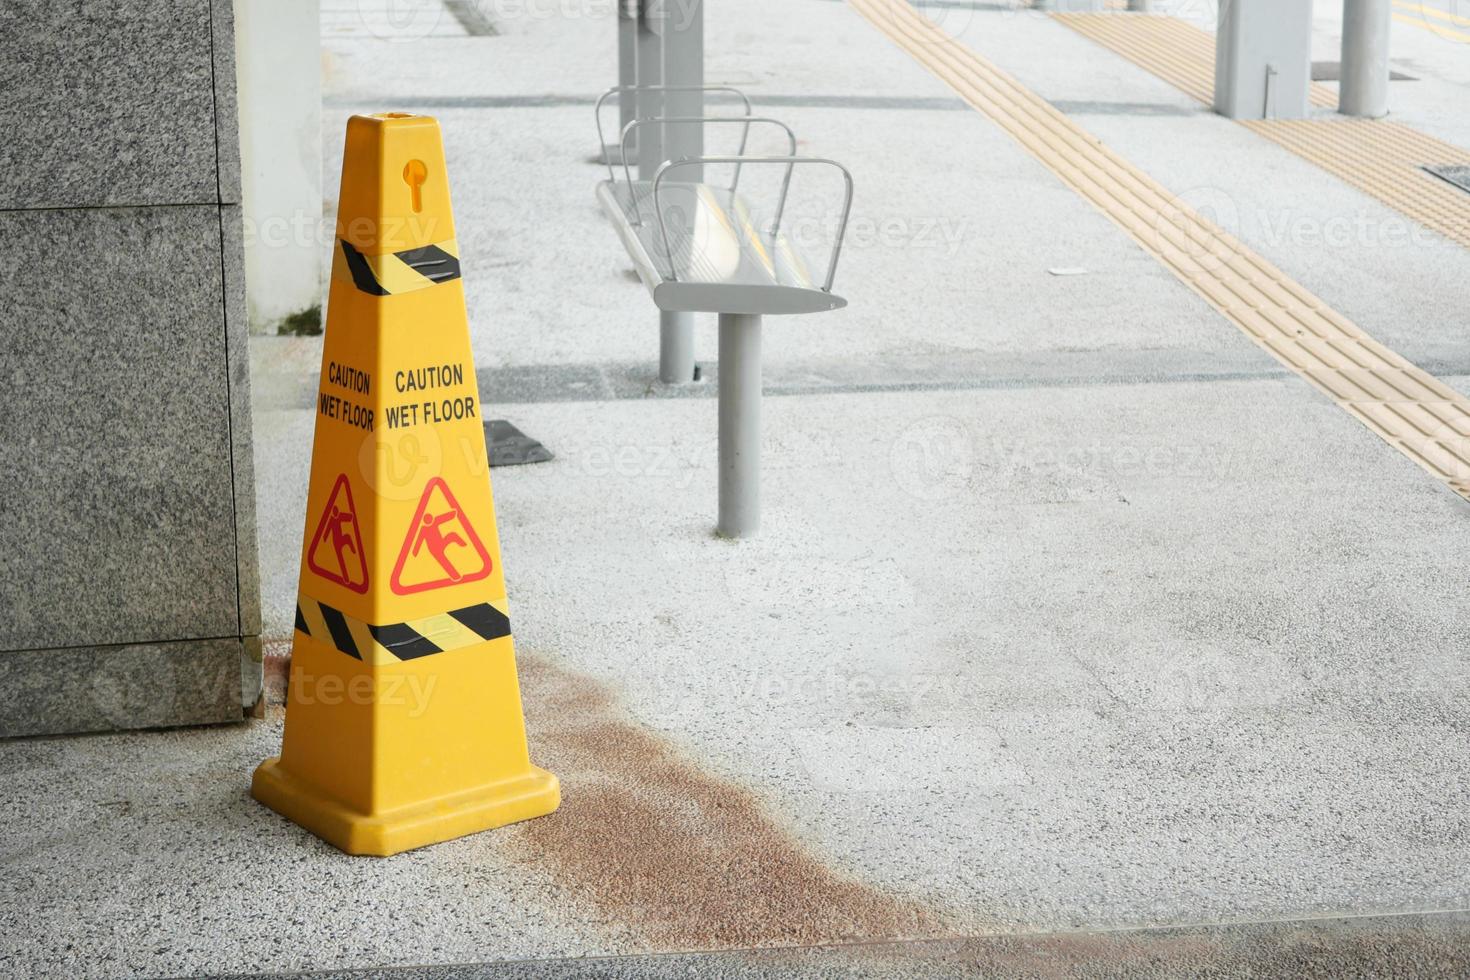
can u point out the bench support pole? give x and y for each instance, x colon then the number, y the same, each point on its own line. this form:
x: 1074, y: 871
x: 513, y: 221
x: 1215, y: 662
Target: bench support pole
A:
x: 740, y: 425
x: 675, y: 347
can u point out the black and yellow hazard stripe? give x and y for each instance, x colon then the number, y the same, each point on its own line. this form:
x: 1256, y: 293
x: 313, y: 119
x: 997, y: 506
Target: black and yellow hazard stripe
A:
x: 397, y: 272
x: 392, y: 642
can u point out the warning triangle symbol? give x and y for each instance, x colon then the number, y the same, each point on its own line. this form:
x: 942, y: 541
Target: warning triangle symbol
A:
x: 336, y: 549
x: 441, y: 548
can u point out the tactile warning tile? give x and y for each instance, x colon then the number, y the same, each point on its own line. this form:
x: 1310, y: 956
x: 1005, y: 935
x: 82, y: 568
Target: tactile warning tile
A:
x: 1178, y: 52
x: 1411, y: 410
x: 1382, y: 159
x: 1446, y: 23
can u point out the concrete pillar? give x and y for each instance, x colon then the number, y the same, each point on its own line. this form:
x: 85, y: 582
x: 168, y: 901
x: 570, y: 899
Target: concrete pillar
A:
x: 740, y: 425
x: 1263, y: 59
x: 279, y: 52
x: 1365, y: 72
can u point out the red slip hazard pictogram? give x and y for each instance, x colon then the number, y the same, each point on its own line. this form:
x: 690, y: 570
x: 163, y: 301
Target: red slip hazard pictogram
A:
x: 336, y: 548
x: 441, y: 548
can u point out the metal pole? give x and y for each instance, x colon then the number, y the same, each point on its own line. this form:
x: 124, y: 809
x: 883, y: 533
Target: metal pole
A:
x: 627, y: 70
x: 1365, y: 29
x: 679, y: 29
x: 740, y: 425
x: 650, y: 72
x: 675, y: 347
x: 1141, y: 6
x: 683, y: 37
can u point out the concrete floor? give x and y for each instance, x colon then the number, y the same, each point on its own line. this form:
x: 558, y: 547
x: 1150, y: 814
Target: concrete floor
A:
x: 1324, y: 948
x: 1073, y: 610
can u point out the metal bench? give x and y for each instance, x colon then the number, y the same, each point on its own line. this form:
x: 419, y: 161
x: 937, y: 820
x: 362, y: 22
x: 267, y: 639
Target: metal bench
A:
x: 702, y: 248
x: 676, y: 329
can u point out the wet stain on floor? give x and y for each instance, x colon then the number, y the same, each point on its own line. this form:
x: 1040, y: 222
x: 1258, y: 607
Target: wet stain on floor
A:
x: 682, y: 858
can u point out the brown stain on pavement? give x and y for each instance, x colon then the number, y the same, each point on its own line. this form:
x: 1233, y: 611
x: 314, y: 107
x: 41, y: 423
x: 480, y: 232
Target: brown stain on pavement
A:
x: 683, y: 859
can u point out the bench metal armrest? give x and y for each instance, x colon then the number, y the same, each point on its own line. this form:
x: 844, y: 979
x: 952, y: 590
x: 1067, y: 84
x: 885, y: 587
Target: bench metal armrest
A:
x: 629, y: 129
x: 619, y: 89
x: 790, y: 162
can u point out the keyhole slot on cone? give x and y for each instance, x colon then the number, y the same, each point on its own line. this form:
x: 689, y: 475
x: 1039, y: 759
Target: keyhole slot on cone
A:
x: 414, y: 174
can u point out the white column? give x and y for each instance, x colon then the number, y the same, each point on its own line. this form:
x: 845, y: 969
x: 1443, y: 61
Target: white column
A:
x: 278, y: 54
x: 1263, y: 59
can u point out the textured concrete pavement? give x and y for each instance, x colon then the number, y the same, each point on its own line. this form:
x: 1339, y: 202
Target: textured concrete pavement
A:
x: 1073, y: 610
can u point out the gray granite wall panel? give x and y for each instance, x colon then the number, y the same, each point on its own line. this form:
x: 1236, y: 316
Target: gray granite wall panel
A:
x: 94, y: 689
x: 129, y: 587
x: 116, y: 430
x: 109, y: 103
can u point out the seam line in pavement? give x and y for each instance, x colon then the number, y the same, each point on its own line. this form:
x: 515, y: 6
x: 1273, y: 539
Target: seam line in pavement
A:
x: 552, y: 100
x: 900, y: 103
x: 859, y: 945
x: 1405, y: 406
x: 511, y: 386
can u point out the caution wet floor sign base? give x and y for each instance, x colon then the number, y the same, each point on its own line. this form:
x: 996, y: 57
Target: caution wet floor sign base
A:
x: 427, y: 823
x: 403, y: 718
x: 431, y: 765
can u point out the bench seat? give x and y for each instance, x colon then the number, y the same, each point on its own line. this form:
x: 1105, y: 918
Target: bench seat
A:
x: 718, y: 258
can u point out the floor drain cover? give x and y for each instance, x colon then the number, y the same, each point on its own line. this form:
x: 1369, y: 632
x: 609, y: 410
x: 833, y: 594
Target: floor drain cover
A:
x: 509, y: 446
x: 1456, y: 173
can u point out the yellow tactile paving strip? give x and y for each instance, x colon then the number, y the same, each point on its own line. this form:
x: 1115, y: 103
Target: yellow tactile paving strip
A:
x: 1384, y: 160
x: 1380, y: 158
x: 1178, y: 52
x: 1411, y: 410
x: 1432, y: 18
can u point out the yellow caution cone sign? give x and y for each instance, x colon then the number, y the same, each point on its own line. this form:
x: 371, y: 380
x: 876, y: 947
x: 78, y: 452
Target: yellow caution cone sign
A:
x: 403, y: 722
